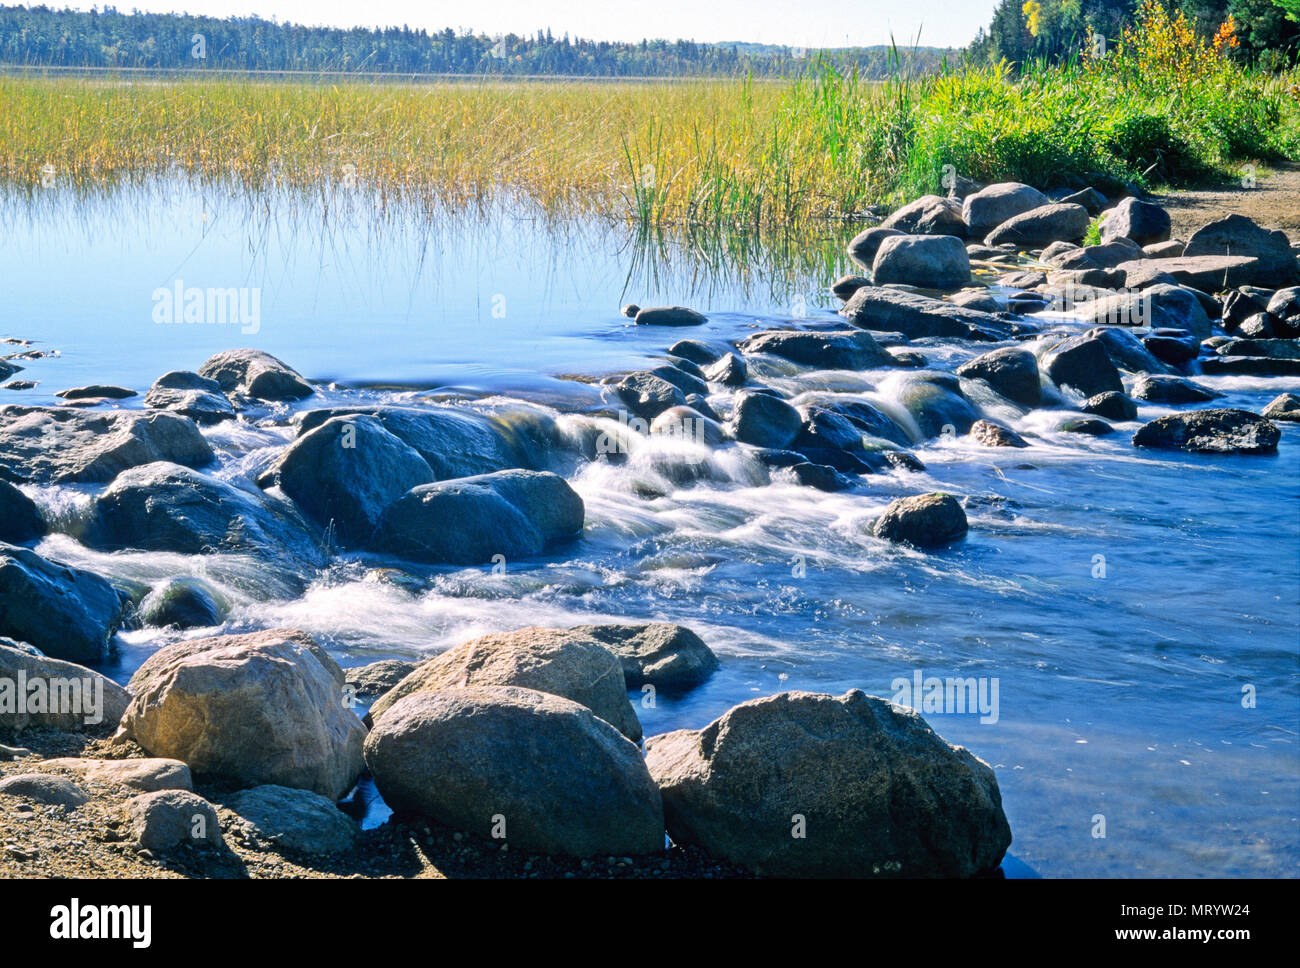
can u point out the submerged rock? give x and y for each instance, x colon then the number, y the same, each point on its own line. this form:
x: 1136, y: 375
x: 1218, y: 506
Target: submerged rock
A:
x: 663, y: 655
x: 266, y: 707
x: 582, y: 789
x: 65, y: 612
x: 471, y: 520
x: 50, y: 445
x: 255, y: 374
x: 563, y: 662
x: 183, y: 603
x: 96, y: 392
x: 110, y: 698
x: 991, y: 434
x: 810, y: 785
x: 1224, y: 431
x: 935, y: 403
x: 924, y: 521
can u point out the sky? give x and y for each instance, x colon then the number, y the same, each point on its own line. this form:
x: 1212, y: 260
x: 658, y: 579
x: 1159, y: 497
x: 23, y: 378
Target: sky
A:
x: 796, y: 23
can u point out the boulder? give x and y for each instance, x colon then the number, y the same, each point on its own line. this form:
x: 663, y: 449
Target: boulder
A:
x: 1010, y: 371
x: 266, y: 707
x: 1082, y: 363
x: 992, y: 434
x: 646, y: 395
x: 845, y: 286
x: 377, y: 678
x: 660, y: 654
x: 20, y: 519
x: 811, y: 785
x: 927, y: 261
x: 1170, y: 389
x: 190, y: 395
x: 730, y: 371
x: 1171, y: 249
x: 254, y: 374
x: 1208, y: 273
x: 73, y: 697
x: 546, y: 772
x: 928, y: 215
x: 50, y: 445
x: 979, y: 299
x: 1112, y: 405
x: 669, y: 316
x: 470, y: 520
x: 1225, y: 431
x: 990, y: 207
x: 680, y: 375
x: 298, y: 820
x: 146, y: 774
x: 823, y: 477
x: 65, y: 612
x: 183, y: 603
x: 1042, y: 226
x: 1285, y: 406
x: 834, y: 350
x: 865, y: 244
x: 346, y: 473
x: 166, y: 819
x: 1159, y: 306
x: 924, y: 521
x: 43, y: 788
x: 916, y: 316
x: 701, y: 354
x: 1091, y: 199
x: 765, y: 421
x: 96, y: 392
x: 563, y: 662
x: 1172, y: 346
x: 1285, y: 303
x: 167, y: 507
x: 1086, y: 426
x: 1142, y: 222
x: 1236, y: 235
x: 1127, y: 351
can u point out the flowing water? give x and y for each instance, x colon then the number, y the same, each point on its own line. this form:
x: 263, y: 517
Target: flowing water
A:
x: 1126, y: 603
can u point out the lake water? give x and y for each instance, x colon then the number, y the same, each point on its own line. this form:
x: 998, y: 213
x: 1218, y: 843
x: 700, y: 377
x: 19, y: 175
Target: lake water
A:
x: 1120, y: 677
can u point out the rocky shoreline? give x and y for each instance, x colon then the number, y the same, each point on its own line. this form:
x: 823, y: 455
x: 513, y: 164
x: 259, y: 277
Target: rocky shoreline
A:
x: 520, y: 753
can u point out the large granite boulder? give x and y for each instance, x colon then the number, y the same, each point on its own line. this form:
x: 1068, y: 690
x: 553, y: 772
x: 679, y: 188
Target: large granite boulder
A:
x: 71, y: 696
x: 65, y: 612
x: 660, y: 654
x: 255, y: 374
x: 1225, y: 431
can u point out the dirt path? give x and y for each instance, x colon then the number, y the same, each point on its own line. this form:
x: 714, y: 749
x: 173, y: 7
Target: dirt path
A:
x: 1274, y: 203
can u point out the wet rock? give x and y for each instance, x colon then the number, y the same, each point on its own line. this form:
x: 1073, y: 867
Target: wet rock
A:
x: 1088, y: 427
x: 1236, y: 235
x: 660, y: 654
x: 96, y: 392
x: 1286, y: 406
x: 924, y: 521
x: 834, y: 350
x: 167, y: 507
x: 865, y: 244
x: 846, y: 286
x: 990, y: 207
x: 688, y: 424
x: 65, y: 612
x: 183, y: 603
x: 867, y: 419
x: 468, y: 521
x: 1226, y: 431
x: 928, y: 215
x: 1142, y: 222
x: 98, y: 698
x: 1010, y: 371
x: 991, y: 434
x: 455, y: 757
x: 298, y: 820
x: 916, y: 316
x: 43, y: 788
x: 216, y: 704
x: 1250, y: 366
x: 252, y: 373
x: 1278, y: 349
x: 20, y: 519
x: 682, y: 378
x: 190, y: 395
x: 563, y: 662
x: 146, y: 774
x: 978, y: 299
x: 730, y: 371
x: 670, y: 316
x: 698, y: 353
x: 1170, y: 389
x: 879, y: 794
x: 1112, y: 405
x: 646, y: 395
x: 1127, y: 351
x: 823, y: 477
x: 928, y: 261
x: 166, y: 819
x: 935, y: 403
x: 824, y: 428
x: 50, y: 445
x: 1174, y: 347
x: 1082, y: 363
x: 377, y: 678
x: 346, y: 473
x: 1042, y: 226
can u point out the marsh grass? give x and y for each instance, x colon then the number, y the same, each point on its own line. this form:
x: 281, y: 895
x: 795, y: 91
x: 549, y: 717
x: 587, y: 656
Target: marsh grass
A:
x: 717, y: 155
